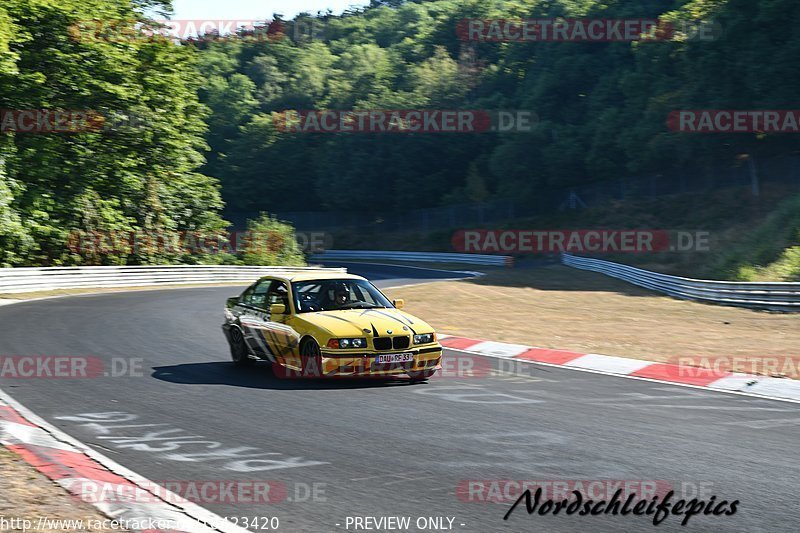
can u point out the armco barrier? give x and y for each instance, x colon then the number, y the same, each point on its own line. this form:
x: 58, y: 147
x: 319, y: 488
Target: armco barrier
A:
x: 427, y: 257
x: 771, y: 296
x: 19, y: 280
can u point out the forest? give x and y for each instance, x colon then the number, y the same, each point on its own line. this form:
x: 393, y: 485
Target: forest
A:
x: 192, y: 133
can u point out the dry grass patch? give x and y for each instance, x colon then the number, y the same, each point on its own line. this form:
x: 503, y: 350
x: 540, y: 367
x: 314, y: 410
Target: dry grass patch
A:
x: 559, y: 307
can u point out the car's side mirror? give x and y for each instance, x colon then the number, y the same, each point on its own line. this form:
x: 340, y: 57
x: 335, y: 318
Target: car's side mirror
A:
x: 399, y: 303
x: 233, y: 302
x: 277, y: 309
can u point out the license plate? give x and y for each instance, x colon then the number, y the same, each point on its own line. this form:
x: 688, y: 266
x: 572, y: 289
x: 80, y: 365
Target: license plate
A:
x: 394, y: 358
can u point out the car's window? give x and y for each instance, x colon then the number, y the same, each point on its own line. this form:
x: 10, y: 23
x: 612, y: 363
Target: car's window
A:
x: 245, y: 297
x: 331, y: 295
x: 278, y: 294
x: 257, y: 296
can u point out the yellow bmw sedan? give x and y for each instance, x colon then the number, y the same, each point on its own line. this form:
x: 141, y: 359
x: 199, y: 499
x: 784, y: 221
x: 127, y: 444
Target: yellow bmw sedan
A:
x: 315, y: 324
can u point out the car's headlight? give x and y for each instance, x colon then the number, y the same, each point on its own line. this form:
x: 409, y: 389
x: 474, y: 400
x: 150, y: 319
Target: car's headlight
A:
x: 425, y: 339
x: 347, y: 344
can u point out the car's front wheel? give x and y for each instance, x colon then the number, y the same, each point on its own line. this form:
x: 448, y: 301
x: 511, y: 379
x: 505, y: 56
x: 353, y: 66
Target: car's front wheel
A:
x: 239, y: 352
x: 312, y: 358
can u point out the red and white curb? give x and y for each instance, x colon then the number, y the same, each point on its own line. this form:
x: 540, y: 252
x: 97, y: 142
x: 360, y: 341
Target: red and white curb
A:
x: 80, y: 470
x: 731, y: 382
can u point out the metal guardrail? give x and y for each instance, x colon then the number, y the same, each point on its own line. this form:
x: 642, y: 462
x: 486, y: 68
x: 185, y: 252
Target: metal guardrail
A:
x: 30, y: 279
x: 428, y: 257
x: 771, y: 296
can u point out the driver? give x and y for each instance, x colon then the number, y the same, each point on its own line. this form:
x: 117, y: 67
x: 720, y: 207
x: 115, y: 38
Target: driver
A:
x: 341, y: 294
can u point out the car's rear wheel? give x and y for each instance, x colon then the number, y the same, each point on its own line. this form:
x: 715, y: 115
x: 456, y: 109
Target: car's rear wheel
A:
x: 312, y: 358
x: 239, y: 352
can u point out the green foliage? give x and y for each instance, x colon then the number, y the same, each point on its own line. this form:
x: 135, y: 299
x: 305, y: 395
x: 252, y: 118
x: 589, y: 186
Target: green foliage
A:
x: 602, y: 107
x: 271, y: 242
x: 138, y: 175
x: 770, y: 252
x: 204, y: 116
x: 786, y: 268
x: 15, y: 240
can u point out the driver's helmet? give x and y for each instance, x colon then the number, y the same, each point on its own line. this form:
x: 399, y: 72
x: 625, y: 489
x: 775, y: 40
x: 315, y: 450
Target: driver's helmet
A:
x: 341, y: 293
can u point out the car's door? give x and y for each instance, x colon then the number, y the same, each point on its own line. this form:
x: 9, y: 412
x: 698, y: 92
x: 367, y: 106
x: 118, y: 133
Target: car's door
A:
x: 283, y: 340
x: 236, y: 307
x: 254, y: 317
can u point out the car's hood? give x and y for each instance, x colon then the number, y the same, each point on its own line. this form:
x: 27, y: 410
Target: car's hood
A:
x: 357, y: 322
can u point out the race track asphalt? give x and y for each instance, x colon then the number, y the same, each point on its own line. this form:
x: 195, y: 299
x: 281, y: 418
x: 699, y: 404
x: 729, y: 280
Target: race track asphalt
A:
x: 344, y: 449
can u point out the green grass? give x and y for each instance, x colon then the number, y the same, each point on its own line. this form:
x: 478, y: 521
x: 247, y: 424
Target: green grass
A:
x: 768, y: 252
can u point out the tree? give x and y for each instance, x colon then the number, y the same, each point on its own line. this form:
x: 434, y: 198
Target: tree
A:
x: 137, y: 170
x: 271, y: 242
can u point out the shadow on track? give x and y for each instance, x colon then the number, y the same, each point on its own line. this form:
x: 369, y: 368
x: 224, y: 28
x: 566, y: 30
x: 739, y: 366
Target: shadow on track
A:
x: 259, y: 376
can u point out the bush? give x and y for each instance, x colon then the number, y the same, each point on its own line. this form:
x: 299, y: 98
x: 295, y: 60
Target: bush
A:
x: 270, y: 242
x: 769, y: 252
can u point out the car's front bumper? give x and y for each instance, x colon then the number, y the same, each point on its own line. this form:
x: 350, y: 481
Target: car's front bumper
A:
x: 356, y: 365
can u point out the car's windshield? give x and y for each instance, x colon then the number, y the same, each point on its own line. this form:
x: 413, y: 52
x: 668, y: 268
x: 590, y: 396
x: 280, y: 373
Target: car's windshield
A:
x: 337, y: 294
